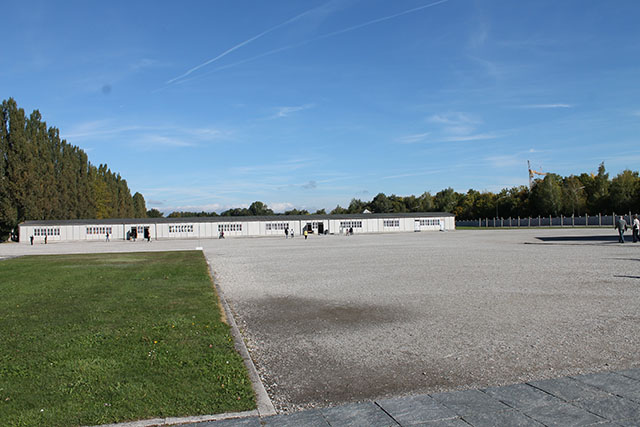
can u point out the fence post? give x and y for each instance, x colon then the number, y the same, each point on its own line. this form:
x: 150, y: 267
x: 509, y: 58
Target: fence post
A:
x: 573, y: 220
x: 586, y: 220
x: 550, y: 221
x: 599, y: 219
x: 561, y: 220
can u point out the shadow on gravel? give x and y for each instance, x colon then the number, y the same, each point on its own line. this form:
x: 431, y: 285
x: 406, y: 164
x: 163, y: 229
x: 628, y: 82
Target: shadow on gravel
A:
x: 613, y: 238
x: 628, y: 277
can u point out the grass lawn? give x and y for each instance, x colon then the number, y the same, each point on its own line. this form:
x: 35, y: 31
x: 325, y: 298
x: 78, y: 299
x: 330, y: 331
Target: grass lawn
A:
x: 94, y: 339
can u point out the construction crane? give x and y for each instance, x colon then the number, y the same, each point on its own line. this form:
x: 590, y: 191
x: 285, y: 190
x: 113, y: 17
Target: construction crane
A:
x: 531, y: 173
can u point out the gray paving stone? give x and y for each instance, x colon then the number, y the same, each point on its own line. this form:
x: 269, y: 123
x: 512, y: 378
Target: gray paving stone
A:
x: 521, y: 396
x: 631, y: 373
x: 455, y: 422
x: 312, y: 418
x: 612, y: 408
x: 630, y: 423
x: 614, y: 384
x: 235, y: 422
x: 359, y: 414
x: 569, y: 389
x: 511, y: 418
x: 563, y: 415
x: 469, y: 402
x: 413, y: 410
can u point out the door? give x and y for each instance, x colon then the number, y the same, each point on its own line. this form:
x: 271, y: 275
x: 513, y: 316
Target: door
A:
x: 416, y: 225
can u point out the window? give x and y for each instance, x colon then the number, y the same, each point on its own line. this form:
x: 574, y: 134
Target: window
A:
x: 230, y: 227
x: 277, y: 226
x: 186, y: 228
x: 350, y: 224
x: 391, y: 223
x: 98, y: 230
x: 429, y: 222
x: 49, y: 231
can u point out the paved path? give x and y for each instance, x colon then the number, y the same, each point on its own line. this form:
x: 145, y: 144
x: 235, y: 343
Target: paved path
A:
x: 603, y: 399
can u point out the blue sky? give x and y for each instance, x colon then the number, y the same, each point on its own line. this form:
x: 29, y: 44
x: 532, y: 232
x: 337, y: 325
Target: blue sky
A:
x: 207, y: 105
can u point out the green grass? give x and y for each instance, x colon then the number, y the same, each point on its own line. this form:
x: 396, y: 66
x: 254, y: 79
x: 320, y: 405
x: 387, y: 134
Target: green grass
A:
x: 94, y: 339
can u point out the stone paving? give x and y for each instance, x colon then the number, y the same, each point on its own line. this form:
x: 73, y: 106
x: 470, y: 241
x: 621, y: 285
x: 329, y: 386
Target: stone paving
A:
x: 602, y: 399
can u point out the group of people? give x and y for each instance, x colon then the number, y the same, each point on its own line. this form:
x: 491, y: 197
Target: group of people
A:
x: 287, y: 233
x: 621, y: 226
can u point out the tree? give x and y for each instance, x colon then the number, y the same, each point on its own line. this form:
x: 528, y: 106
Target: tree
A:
x: 139, y: 206
x: 338, y: 210
x: 425, y: 202
x: 546, y: 195
x: 356, y: 206
x: 259, y: 209
x: 624, y: 191
x: 597, y: 189
x: 320, y: 212
x: 574, y: 196
x: 380, y: 204
x: 154, y: 213
x: 446, y: 200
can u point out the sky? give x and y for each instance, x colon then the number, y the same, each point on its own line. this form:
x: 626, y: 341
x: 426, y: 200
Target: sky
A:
x: 209, y: 105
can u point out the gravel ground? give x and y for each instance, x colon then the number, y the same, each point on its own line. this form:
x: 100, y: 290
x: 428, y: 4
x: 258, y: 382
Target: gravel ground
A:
x: 339, y: 319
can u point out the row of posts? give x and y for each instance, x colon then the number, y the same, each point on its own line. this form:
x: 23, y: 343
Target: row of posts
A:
x: 500, y: 222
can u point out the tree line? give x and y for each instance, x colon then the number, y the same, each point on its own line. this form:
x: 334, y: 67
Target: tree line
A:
x: 587, y: 193
x: 42, y: 177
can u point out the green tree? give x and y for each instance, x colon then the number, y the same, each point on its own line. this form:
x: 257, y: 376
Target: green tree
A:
x: 259, y: 209
x: 546, y: 195
x: 356, y: 206
x: 624, y: 191
x: 380, y: 204
x: 338, y: 210
x: 446, y: 200
x: 154, y: 213
x: 139, y: 206
x: 575, y: 199
x: 425, y: 202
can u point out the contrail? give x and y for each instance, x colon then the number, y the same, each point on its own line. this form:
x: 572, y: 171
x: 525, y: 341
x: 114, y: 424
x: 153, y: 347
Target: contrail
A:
x: 238, y: 46
x: 375, y: 21
x: 292, y: 46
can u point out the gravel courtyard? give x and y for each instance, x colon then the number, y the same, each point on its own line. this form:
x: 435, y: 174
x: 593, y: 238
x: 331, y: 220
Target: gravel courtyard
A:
x: 339, y: 319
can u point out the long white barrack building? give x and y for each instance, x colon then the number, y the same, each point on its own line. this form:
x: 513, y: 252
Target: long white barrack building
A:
x: 245, y: 226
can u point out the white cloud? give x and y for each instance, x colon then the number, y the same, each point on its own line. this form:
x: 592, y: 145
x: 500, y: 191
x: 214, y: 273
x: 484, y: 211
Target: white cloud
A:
x: 287, y: 111
x: 411, y: 139
x: 280, y: 206
x: 454, y: 118
x: 143, y: 135
x: 543, y: 106
x: 472, y: 137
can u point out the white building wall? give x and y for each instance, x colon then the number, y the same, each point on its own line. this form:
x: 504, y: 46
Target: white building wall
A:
x: 181, y: 230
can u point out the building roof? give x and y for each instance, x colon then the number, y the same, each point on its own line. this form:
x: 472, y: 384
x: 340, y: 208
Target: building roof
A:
x: 270, y: 218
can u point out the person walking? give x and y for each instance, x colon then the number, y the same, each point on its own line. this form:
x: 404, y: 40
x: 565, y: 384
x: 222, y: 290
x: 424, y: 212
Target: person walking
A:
x: 31, y: 239
x: 636, y: 228
x: 621, y: 226
x: 286, y: 233
x: 107, y: 236
x: 305, y: 234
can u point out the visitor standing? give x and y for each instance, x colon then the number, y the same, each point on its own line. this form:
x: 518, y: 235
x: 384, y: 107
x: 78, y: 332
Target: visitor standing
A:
x: 636, y: 228
x: 621, y: 225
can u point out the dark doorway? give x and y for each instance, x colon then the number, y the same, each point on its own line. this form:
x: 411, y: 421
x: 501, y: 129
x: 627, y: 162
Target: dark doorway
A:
x: 320, y: 228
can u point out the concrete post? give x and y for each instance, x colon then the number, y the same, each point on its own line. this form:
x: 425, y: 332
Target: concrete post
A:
x: 561, y: 220
x: 600, y: 219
